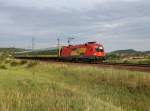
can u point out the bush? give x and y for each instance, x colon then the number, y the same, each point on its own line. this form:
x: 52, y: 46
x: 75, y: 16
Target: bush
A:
x: 126, y: 61
x: 3, y: 67
x: 14, y: 63
x: 7, y: 61
x: 112, y: 56
x: 22, y: 62
x: 144, y: 62
x: 31, y: 64
x: 148, y: 57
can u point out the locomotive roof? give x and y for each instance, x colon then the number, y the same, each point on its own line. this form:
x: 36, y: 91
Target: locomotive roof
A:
x: 86, y: 44
x: 53, y: 48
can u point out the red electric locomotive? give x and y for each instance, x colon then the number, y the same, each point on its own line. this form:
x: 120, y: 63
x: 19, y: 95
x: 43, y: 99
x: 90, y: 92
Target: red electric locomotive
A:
x: 90, y: 51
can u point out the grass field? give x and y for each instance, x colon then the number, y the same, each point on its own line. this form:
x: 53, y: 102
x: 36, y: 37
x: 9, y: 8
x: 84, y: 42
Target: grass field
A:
x: 37, y: 86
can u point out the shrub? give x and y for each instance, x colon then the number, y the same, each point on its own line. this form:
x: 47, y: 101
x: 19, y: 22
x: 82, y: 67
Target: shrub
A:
x: 31, y: 64
x: 148, y: 57
x: 22, y: 62
x: 126, y: 61
x: 8, y: 60
x: 112, y: 56
x: 144, y: 62
x: 14, y: 63
x: 3, y: 66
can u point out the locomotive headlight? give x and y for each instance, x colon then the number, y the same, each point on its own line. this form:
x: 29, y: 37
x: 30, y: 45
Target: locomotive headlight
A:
x: 100, y: 47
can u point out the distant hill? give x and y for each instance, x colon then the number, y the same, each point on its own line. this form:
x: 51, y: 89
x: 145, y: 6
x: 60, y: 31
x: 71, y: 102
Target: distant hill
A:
x: 130, y: 52
x: 147, y: 52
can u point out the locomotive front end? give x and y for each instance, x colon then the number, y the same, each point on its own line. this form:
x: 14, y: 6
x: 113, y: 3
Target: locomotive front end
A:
x: 99, y: 52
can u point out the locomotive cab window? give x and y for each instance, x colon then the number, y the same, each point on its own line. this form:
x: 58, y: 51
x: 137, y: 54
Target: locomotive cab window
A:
x: 99, y: 49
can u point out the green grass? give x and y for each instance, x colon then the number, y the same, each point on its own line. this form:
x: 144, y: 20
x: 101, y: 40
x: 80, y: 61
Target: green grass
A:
x: 36, y: 86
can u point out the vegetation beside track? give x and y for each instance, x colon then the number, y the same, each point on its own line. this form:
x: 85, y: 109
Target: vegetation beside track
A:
x: 129, y: 56
x: 129, y: 61
x: 38, y: 86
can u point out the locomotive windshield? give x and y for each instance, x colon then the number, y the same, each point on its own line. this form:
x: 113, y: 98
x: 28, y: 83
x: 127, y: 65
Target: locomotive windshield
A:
x: 99, y: 49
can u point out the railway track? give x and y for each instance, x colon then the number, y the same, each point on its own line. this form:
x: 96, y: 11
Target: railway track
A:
x: 131, y: 67
x: 124, y: 66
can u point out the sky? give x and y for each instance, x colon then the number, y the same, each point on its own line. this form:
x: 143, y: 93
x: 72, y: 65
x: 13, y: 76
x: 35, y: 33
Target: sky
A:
x: 117, y: 24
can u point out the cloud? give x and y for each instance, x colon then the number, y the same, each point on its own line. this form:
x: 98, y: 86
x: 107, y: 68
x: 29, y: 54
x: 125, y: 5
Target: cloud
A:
x: 109, y: 21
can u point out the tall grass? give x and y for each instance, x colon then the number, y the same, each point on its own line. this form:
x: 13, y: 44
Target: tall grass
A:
x: 60, y: 87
